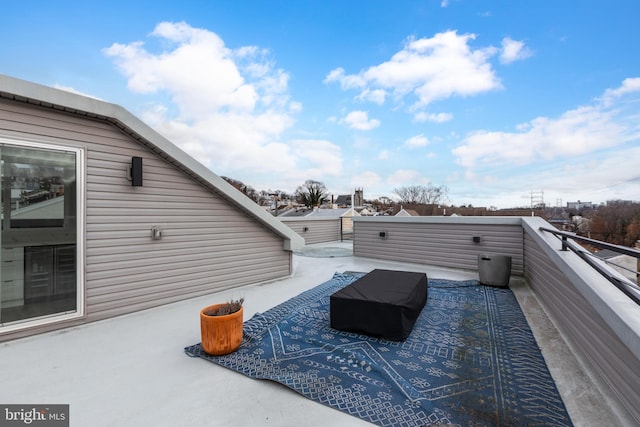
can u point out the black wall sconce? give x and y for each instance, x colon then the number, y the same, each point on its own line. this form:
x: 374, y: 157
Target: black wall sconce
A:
x: 383, y: 234
x: 476, y: 239
x: 136, y: 171
x: 156, y: 233
x: 305, y: 228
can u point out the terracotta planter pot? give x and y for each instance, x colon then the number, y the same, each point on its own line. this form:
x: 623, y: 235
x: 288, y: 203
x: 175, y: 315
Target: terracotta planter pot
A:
x: 220, y: 334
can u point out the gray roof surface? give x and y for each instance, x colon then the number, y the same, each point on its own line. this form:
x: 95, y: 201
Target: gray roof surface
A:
x: 296, y: 212
x: 606, y: 254
x: 331, y: 213
x: 131, y: 370
x: 309, y: 213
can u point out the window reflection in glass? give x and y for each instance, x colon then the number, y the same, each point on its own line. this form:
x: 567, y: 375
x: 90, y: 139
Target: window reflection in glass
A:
x: 36, y: 181
x: 38, y: 239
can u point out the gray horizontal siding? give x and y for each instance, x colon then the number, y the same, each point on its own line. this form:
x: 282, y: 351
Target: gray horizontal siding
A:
x: 319, y: 230
x: 208, y: 244
x: 446, y: 242
x: 582, y: 325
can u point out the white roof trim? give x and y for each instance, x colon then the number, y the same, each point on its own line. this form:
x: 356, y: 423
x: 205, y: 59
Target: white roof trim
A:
x: 62, y: 100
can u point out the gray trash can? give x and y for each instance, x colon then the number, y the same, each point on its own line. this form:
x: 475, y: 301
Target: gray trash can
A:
x: 494, y: 270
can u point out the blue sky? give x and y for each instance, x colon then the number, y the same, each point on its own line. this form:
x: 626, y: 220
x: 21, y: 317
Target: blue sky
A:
x: 494, y: 99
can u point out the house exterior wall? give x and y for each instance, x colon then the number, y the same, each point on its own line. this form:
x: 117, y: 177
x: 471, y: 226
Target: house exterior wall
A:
x: 440, y: 241
x: 609, y: 343
x: 207, y: 244
x: 319, y: 230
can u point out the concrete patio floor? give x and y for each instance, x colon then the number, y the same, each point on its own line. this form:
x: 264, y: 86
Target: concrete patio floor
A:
x: 132, y: 371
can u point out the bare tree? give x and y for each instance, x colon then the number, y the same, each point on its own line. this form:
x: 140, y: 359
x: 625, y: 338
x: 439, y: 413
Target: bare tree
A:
x: 247, y: 190
x: 422, y: 194
x: 618, y: 222
x: 383, y: 203
x: 311, y: 193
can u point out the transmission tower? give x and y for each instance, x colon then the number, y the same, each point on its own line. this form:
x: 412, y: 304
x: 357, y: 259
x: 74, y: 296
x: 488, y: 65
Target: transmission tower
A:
x: 537, y: 199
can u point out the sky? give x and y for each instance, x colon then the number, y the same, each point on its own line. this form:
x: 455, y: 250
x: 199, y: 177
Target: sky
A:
x: 502, y: 102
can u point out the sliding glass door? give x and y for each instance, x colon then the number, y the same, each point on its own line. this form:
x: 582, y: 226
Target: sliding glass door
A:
x: 39, y: 237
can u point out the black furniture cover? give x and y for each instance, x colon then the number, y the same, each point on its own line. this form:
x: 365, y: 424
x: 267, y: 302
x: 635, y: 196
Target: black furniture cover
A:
x: 382, y: 303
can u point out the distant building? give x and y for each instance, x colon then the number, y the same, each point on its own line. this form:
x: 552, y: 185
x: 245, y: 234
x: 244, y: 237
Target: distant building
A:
x: 344, y: 200
x: 358, y: 197
x: 305, y: 212
x: 407, y: 212
x: 365, y: 212
x: 579, y: 205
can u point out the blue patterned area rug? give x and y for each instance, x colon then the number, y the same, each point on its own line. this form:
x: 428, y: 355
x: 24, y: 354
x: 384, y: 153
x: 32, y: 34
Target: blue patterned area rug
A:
x: 471, y: 360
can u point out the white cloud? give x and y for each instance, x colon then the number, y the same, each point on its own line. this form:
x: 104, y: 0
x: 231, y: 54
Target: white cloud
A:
x: 367, y: 179
x: 403, y: 177
x: 429, y: 69
x: 335, y: 75
x: 360, y: 120
x: 383, y: 155
x: 319, y: 158
x: 376, y: 96
x: 589, y: 152
x: 513, y: 50
x: 579, y: 131
x: 228, y: 107
x: 346, y: 82
x: 417, y: 141
x: 589, y: 178
x: 628, y: 86
x: 199, y: 72
x: 232, y: 143
x: 432, y: 117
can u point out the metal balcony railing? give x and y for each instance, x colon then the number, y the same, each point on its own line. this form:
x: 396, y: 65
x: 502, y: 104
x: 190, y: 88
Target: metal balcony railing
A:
x: 631, y: 289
